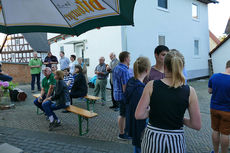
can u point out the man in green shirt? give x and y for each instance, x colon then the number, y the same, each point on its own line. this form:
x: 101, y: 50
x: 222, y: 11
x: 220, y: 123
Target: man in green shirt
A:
x: 48, y: 83
x: 35, y: 71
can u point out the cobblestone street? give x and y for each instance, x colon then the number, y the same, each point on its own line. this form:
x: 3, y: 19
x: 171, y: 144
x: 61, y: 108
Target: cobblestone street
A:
x: 23, y: 128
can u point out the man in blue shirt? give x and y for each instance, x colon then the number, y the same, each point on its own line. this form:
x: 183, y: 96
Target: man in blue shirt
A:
x: 120, y: 79
x: 219, y: 87
x: 64, y: 61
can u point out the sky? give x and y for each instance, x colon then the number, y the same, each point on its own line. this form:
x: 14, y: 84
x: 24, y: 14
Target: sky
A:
x: 218, y: 16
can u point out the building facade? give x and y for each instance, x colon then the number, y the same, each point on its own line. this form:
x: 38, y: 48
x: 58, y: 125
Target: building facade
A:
x: 220, y: 55
x: 178, y: 24
x: 16, y: 52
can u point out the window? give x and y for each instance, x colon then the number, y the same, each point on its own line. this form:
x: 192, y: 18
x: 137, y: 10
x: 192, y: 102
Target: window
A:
x: 161, y: 40
x: 196, y: 47
x: 163, y: 3
x: 62, y: 48
x: 17, y: 41
x: 194, y: 11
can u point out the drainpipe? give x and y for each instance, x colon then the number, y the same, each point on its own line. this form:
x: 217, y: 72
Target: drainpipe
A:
x: 124, y: 38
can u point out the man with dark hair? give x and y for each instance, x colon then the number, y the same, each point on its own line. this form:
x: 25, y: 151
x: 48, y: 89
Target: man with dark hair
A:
x: 50, y: 59
x: 72, y: 64
x: 157, y: 71
x: 120, y: 79
x: 219, y: 87
x: 64, y: 61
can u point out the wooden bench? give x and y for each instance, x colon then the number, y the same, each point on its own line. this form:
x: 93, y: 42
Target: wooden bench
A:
x: 82, y: 115
x: 91, y: 100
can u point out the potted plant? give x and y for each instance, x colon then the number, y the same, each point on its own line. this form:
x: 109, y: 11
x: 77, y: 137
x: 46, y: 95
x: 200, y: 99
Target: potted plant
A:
x: 5, y: 92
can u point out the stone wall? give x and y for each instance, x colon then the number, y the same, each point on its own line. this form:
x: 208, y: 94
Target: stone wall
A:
x: 19, y: 71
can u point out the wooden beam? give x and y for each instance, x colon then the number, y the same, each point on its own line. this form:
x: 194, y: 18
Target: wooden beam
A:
x: 3, y: 44
x: 9, y: 52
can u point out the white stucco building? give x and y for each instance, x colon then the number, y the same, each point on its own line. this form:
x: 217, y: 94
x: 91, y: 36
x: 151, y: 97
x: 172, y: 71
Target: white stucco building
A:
x: 178, y: 24
x: 220, y: 55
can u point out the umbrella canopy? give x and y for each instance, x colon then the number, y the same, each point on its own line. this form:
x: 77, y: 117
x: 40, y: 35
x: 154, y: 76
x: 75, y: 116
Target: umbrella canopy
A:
x: 63, y: 16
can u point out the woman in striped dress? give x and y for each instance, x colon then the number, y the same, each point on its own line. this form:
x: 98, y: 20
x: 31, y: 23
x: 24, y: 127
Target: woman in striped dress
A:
x: 165, y: 102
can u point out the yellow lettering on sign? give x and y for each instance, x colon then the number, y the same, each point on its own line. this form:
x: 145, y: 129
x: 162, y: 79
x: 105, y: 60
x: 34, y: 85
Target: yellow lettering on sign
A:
x: 73, y: 16
x: 80, y: 10
x: 67, y: 16
x: 77, y: 12
x: 91, y: 9
x: 96, y: 5
x: 82, y: 5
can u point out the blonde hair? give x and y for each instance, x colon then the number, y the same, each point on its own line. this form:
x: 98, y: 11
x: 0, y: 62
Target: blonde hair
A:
x: 174, y: 62
x: 141, y: 65
x: 59, y: 74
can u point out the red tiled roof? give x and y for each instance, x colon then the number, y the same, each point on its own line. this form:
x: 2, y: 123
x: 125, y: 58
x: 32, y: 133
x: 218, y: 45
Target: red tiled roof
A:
x: 214, y: 38
x: 221, y: 43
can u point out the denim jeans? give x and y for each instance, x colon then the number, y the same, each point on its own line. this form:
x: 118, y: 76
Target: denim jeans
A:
x: 5, y: 77
x: 137, y: 149
x: 50, y: 106
x: 39, y: 105
x: 34, y: 76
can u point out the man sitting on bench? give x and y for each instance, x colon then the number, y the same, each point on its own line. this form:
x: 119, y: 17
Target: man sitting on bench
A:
x: 61, y: 98
x: 47, y: 87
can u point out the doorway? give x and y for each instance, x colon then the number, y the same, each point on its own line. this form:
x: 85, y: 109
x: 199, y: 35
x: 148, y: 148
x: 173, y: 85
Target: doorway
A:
x: 79, y: 49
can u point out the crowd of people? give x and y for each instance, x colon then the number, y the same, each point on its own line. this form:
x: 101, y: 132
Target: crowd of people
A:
x: 151, y: 100
x: 58, y: 87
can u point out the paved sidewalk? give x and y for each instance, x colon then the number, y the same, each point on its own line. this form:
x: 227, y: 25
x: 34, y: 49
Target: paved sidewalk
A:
x: 25, y: 129
x: 40, y: 142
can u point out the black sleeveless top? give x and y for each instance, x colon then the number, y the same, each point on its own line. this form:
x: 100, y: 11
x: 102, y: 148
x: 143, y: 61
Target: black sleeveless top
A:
x: 168, y: 105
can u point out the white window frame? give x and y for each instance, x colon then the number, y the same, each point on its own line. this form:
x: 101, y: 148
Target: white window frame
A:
x: 198, y: 12
x: 63, y: 48
x: 161, y: 8
x: 199, y: 48
x: 161, y: 35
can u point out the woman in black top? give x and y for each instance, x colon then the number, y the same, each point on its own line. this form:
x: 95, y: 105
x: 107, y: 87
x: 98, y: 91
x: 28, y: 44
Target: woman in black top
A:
x: 165, y: 102
x: 79, y: 88
x: 61, y: 98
